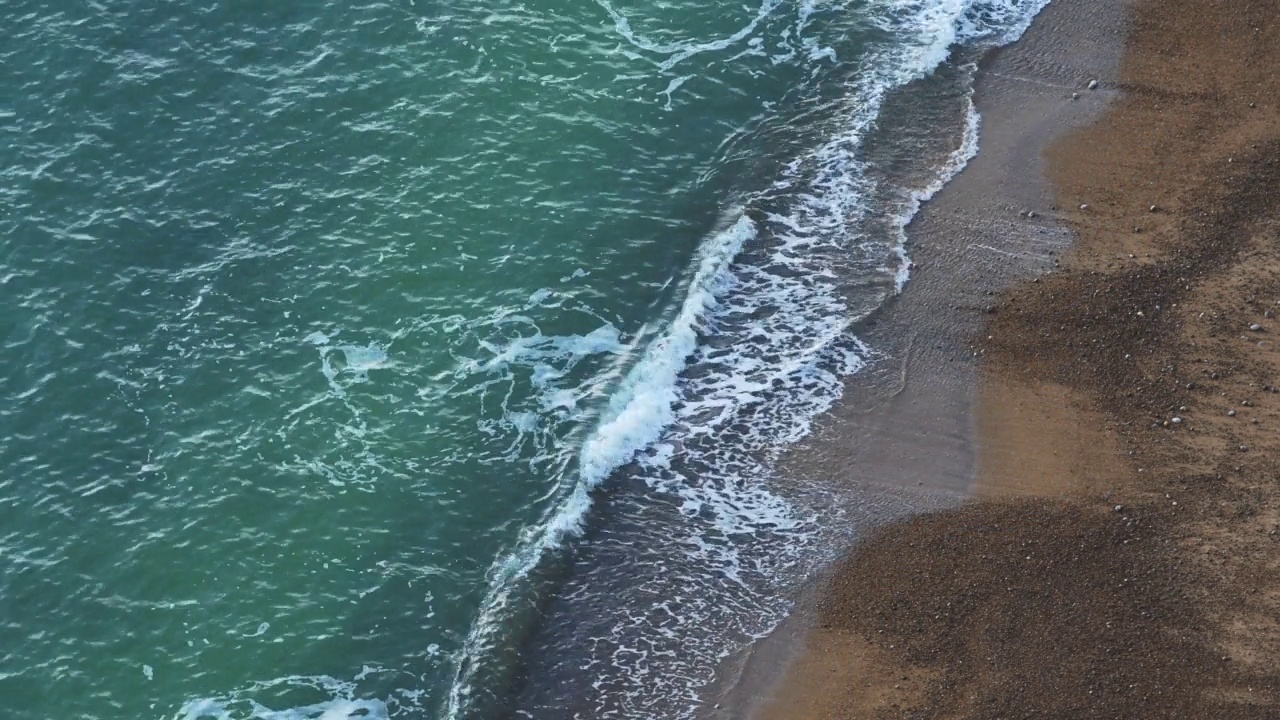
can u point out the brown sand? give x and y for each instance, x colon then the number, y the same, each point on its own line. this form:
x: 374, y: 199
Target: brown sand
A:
x: 1122, y: 564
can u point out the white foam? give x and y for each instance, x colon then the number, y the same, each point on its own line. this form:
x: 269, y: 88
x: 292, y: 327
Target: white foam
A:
x: 336, y: 701
x: 637, y: 413
x: 835, y: 172
x: 642, y: 407
x: 774, y: 347
x: 678, y: 52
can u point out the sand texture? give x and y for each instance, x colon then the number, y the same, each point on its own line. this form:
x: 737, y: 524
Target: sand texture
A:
x: 1121, y: 557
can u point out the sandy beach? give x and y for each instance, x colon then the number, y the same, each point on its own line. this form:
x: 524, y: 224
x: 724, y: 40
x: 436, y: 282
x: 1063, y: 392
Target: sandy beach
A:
x: 1086, y: 352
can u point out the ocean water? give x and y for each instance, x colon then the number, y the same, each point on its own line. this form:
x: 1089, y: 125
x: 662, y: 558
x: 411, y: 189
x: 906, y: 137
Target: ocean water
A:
x: 427, y: 359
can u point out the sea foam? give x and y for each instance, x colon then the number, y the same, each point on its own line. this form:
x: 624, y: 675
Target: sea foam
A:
x: 636, y: 414
x: 757, y: 351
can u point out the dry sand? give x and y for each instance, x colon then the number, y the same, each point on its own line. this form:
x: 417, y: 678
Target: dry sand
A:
x: 1123, y: 557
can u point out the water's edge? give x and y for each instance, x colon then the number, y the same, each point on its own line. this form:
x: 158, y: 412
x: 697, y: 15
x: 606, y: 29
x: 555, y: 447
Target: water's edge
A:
x: 742, y: 232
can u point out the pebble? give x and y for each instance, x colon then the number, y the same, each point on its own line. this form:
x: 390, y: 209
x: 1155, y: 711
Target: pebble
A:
x: 1075, y: 96
x: 1255, y: 327
x: 1244, y: 448
x: 1093, y: 84
x: 1176, y: 421
x: 1119, y: 508
x: 1231, y: 413
x: 1154, y: 208
x: 1084, y: 206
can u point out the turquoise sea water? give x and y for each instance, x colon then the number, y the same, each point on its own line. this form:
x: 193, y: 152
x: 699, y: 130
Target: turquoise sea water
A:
x: 426, y: 359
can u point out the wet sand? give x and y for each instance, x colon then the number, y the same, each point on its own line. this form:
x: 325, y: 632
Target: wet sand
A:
x: 1115, y: 420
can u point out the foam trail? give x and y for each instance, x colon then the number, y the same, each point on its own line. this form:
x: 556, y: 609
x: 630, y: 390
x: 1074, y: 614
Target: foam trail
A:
x: 336, y: 701
x: 678, y: 52
x: 636, y: 415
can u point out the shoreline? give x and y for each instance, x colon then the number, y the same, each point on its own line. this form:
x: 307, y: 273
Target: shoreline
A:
x: 1113, y: 420
x: 908, y: 427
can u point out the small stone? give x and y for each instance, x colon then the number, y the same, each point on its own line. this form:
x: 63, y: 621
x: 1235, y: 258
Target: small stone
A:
x: 1084, y: 206
x: 1093, y: 84
x: 1231, y: 413
x: 1244, y: 448
x: 1247, y: 403
x: 1176, y: 421
x: 1075, y: 96
x: 1191, y: 386
x: 1154, y: 208
x: 1031, y: 213
x: 1255, y: 327
x: 1119, y: 508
